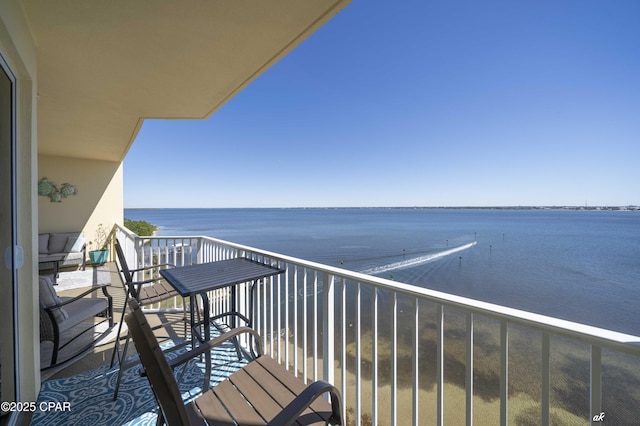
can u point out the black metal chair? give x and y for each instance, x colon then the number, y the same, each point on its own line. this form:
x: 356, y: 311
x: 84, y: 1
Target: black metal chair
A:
x: 261, y: 393
x: 145, y: 292
x: 65, y: 319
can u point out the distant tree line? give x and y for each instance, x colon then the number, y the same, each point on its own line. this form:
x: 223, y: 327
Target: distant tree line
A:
x: 140, y: 227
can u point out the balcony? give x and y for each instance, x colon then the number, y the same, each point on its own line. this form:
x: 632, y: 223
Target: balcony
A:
x: 402, y: 354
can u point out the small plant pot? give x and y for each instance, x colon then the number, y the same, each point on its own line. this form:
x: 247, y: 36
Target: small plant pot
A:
x: 98, y: 257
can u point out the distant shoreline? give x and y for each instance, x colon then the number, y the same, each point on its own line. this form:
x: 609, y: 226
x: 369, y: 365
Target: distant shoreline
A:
x: 554, y: 208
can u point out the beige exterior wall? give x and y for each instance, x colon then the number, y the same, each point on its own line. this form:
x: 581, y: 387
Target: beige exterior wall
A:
x: 99, y: 199
x: 18, y: 49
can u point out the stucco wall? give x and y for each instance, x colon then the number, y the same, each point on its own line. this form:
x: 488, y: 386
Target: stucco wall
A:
x: 99, y: 199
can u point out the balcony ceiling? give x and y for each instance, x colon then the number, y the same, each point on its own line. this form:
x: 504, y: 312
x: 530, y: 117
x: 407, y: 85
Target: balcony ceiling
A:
x: 105, y: 66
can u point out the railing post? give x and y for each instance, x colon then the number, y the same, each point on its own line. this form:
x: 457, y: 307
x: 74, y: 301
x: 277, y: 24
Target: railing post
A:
x: 394, y: 359
x: 199, y: 256
x: 343, y: 345
x: 137, y: 251
x: 546, y: 379
x: 440, y: 366
x: 374, y: 358
x: 415, y: 362
x: 469, y: 369
x: 595, y: 396
x: 328, y: 321
x: 295, y: 320
x: 504, y: 373
x: 278, y: 308
x: 305, y: 308
x: 314, y: 316
x: 358, y: 338
x: 286, y: 318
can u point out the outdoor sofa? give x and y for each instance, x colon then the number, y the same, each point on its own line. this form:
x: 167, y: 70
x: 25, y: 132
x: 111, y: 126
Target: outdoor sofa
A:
x: 61, y: 249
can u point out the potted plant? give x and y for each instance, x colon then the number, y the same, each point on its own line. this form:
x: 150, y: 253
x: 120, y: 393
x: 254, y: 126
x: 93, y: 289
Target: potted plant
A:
x: 101, y: 254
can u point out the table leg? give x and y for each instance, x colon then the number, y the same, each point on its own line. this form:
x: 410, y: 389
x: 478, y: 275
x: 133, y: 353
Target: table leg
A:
x: 192, y: 314
x: 234, y: 310
x: 251, y: 315
x: 207, y: 336
x: 56, y: 272
x: 252, y: 309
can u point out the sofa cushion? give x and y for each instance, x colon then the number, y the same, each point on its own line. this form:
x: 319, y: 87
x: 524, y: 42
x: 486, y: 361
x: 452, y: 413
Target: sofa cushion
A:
x: 43, y: 243
x: 51, y: 257
x: 74, y: 258
x: 57, y: 241
x: 81, y: 310
x: 49, y: 297
x: 74, y: 243
x: 63, y: 259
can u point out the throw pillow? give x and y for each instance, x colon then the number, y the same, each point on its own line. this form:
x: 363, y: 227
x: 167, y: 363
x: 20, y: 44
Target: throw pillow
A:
x: 57, y: 241
x: 49, y: 297
x: 43, y: 243
x: 74, y: 243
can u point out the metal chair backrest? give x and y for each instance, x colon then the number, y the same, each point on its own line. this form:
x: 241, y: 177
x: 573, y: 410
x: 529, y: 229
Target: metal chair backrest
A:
x: 144, y: 292
x: 158, y: 372
x: 122, y: 261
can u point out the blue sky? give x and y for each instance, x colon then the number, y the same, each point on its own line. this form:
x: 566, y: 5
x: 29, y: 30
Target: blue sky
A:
x: 420, y: 103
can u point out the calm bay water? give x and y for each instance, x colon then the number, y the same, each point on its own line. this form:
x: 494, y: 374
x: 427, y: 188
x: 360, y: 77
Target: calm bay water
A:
x: 582, y: 266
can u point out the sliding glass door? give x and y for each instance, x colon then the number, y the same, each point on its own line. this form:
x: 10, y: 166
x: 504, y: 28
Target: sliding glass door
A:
x: 8, y: 243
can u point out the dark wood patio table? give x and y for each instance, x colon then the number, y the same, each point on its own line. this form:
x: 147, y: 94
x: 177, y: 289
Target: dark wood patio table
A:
x: 196, y: 280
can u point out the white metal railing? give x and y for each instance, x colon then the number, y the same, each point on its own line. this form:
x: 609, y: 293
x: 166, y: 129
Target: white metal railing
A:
x: 393, y: 348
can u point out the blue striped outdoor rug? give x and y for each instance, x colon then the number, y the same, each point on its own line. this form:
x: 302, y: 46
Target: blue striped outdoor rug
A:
x: 90, y: 395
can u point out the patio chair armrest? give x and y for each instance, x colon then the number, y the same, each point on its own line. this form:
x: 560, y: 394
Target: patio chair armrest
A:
x: 147, y: 281
x: 104, y: 290
x: 292, y: 412
x: 102, y: 287
x: 210, y: 344
x: 146, y: 268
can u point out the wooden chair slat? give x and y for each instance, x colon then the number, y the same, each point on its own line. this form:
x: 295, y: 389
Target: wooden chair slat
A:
x: 265, y: 403
x: 208, y: 408
x: 273, y: 383
x: 236, y: 404
x: 293, y: 384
